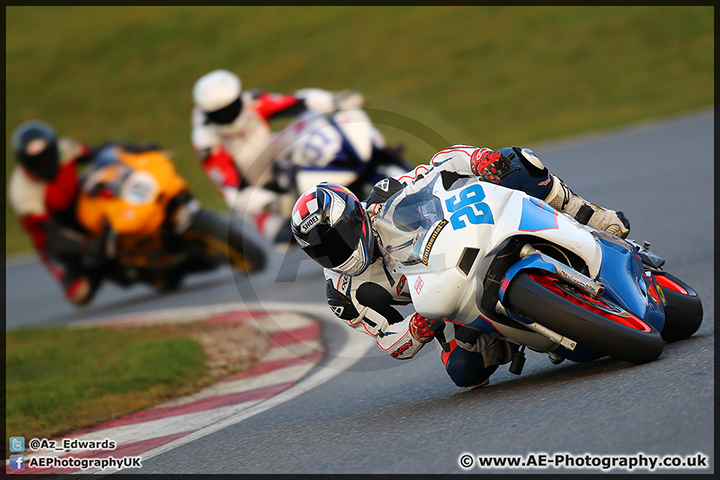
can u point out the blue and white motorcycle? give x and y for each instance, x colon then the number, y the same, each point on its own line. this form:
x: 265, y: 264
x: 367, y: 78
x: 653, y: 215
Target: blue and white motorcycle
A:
x: 509, y: 265
x: 342, y: 147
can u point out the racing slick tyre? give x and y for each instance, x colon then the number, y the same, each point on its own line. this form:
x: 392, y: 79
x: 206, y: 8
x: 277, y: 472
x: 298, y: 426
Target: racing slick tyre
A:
x: 595, y: 323
x: 683, y: 310
x: 223, y: 240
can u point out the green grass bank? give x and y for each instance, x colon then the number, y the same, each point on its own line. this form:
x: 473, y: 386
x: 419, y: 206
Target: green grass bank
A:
x: 60, y: 379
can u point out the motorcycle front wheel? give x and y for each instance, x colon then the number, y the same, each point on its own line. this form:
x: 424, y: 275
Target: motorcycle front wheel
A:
x: 683, y: 312
x: 595, y: 323
x: 224, y: 241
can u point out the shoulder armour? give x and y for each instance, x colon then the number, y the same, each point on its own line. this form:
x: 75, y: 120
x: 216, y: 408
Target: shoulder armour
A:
x: 382, y: 190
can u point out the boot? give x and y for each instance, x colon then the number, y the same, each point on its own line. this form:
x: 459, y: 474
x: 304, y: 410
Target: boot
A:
x: 563, y: 199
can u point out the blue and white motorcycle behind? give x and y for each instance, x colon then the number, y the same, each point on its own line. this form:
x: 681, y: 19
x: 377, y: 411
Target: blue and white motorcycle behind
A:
x: 509, y: 265
x: 342, y: 147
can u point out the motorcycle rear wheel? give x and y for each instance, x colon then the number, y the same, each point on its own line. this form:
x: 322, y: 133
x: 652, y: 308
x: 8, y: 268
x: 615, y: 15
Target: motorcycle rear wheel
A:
x: 684, y: 311
x: 595, y: 323
x: 225, y: 242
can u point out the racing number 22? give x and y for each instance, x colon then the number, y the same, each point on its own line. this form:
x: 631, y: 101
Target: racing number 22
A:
x: 468, y: 203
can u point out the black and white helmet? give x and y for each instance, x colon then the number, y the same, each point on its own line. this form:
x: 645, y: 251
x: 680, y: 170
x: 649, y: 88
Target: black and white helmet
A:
x: 217, y: 94
x: 330, y: 224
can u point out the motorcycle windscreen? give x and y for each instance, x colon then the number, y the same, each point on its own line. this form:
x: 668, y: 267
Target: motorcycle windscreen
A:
x: 405, y: 222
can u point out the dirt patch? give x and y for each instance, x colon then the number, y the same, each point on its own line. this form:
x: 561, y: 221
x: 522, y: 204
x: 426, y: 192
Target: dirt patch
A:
x: 230, y: 347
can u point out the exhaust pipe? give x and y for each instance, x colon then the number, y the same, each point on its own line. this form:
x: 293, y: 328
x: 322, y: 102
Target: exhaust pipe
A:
x: 563, y: 272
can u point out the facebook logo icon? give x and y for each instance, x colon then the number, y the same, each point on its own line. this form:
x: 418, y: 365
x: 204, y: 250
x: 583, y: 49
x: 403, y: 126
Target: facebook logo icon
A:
x: 17, y: 462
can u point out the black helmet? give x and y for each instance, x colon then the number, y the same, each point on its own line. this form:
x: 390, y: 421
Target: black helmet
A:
x: 35, y: 147
x: 331, y: 226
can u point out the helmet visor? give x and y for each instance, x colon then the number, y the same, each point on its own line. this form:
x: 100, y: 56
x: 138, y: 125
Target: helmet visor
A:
x: 225, y: 115
x: 45, y: 164
x: 336, y: 245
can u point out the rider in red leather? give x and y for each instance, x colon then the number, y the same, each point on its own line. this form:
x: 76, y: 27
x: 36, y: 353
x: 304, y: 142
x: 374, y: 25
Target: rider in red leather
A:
x: 43, y: 191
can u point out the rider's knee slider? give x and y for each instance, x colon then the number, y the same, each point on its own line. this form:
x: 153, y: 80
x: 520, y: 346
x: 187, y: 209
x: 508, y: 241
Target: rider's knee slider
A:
x: 531, y: 162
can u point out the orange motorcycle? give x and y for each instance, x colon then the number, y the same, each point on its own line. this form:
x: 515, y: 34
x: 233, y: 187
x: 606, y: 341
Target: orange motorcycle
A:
x: 154, y: 230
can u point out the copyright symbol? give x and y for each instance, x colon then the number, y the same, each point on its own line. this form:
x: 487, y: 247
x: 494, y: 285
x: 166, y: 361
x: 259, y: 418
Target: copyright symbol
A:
x: 34, y: 444
x: 466, y: 460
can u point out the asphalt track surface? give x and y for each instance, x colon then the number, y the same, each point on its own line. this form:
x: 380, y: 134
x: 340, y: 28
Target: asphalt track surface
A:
x: 382, y: 415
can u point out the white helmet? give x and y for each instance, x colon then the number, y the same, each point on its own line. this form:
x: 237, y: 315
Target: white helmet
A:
x: 217, y: 94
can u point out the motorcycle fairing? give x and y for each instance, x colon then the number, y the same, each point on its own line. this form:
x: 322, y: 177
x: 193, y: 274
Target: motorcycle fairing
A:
x: 135, y: 208
x: 506, y: 207
x: 626, y: 284
x: 621, y: 273
x: 536, y: 219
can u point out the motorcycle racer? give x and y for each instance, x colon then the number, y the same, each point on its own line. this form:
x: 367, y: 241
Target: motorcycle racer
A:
x: 43, y: 191
x: 337, y: 231
x: 231, y: 133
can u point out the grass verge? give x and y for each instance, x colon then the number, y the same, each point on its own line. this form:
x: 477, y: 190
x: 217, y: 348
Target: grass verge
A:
x: 61, y: 379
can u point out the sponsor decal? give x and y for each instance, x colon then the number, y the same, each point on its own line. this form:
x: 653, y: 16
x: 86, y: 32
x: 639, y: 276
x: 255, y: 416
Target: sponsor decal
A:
x: 545, y: 182
x: 310, y: 222
x: 401, y: 284
x: 139, y: 189
x: 419, y: 284
x: 383, y: 185
x: 337, y: 310
x: 431, y: 241
x: 504, y: 285
x: 660, y: 293
x: 401, y: 349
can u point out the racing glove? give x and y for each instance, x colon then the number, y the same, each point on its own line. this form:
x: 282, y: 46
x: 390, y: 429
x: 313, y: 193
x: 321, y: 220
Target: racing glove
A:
x: 490, y: 166
x: 423, y: 329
